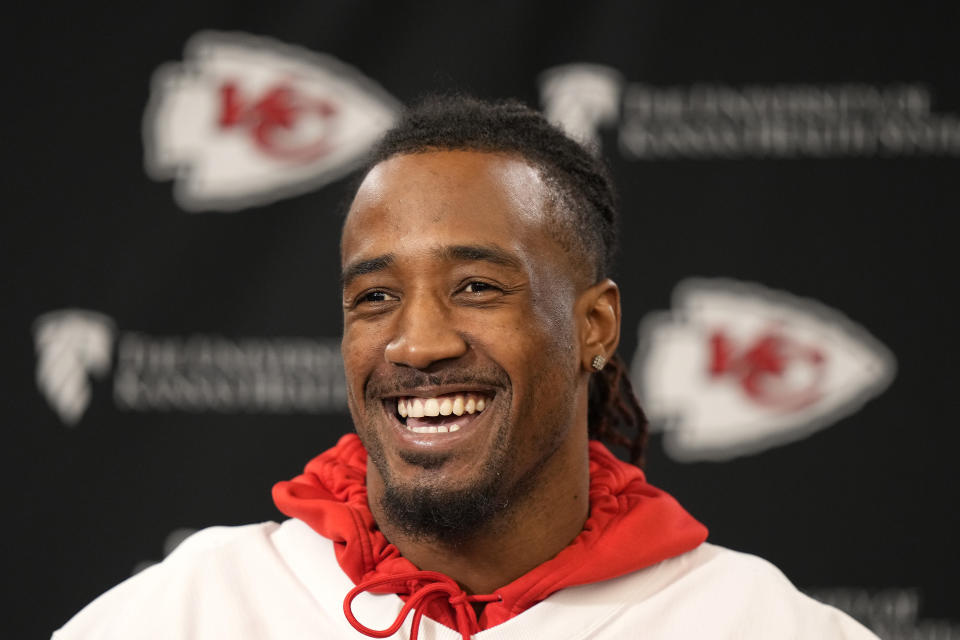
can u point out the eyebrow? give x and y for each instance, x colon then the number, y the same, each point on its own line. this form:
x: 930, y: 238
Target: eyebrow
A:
x: 452, y: 253
x: 475, y: 253
x: 362, y: 267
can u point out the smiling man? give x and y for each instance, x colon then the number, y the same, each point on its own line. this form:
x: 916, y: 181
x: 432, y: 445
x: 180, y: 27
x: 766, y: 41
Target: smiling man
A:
x: 467, y: 370
x: 480, y: 330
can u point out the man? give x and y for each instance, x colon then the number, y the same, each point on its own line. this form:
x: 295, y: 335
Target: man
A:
x: 480, y: 329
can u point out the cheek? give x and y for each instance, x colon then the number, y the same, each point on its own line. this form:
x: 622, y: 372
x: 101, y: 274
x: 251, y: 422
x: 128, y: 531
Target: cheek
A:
x: 363, y: 343
x: 552, y: 304
x: 349, y: 353
x: 556, y: 332
x: 553, y: 360
x: 537, y: 350
x: 360, y: 356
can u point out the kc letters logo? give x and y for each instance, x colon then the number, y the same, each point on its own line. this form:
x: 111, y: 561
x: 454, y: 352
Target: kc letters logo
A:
x: 736, y: 368
x: 245, y: 120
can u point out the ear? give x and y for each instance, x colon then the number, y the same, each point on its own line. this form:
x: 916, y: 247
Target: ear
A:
x: 599, y: 313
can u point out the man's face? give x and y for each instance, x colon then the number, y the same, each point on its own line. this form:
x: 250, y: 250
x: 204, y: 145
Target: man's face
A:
x: 457, y: 301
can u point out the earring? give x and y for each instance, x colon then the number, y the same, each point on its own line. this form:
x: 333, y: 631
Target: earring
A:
x: 598, y: 362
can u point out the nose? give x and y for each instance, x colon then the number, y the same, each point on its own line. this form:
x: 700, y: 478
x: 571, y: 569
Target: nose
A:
x: 424, y: 334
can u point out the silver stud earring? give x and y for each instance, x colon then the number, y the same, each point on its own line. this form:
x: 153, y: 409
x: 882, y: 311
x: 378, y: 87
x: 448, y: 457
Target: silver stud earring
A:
x: 598, y: 362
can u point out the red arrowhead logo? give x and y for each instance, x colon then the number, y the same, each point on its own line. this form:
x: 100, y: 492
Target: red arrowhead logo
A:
x: 735, y: 368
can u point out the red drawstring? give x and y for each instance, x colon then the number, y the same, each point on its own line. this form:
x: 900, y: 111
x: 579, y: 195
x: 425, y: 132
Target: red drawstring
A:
x: 440, y: 586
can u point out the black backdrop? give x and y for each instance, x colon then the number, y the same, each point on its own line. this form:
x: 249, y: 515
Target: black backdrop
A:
x: 192, y: 305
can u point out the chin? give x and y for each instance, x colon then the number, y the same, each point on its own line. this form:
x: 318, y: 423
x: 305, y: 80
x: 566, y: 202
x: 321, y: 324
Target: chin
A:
x: 434, y: 510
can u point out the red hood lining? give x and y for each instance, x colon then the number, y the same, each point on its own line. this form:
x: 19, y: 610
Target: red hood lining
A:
x: 631, y: 525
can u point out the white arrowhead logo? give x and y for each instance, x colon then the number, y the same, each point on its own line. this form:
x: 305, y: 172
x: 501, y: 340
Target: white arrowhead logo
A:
x: 736, y: 368
x: 245, y: 120
x: 71, y: 344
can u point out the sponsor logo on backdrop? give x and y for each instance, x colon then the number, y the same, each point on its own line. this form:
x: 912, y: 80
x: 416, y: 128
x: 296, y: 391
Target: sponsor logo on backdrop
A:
x: 246, y: 120
x: 195, y: 373
x: 719, y: 121
x: 892, y: 614
x: 581, y: 98
x: 72, y: 345
x: 736, y: 368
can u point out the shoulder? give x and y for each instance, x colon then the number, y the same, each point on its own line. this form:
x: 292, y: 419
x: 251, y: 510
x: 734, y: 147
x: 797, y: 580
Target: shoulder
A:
x: 744, y: 591
x: 216, y: 580
x: 714, y: 592
x: 215, y: 542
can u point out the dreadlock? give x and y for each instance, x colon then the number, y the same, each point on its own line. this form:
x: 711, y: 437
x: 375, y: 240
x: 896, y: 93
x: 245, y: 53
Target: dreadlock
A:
x: 613, y: 406
x: 584, y: 210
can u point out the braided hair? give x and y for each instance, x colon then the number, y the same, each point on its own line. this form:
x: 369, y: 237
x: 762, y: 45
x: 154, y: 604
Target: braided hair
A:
x: 584, y: 207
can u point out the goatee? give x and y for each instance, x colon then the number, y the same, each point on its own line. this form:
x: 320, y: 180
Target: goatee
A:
x: 448, y: 517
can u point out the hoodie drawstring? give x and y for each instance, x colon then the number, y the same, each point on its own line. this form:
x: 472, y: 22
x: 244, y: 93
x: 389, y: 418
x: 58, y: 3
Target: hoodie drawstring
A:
x: 439, y: 586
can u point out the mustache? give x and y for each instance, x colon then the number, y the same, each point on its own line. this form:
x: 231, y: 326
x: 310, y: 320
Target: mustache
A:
x: 400, y: 381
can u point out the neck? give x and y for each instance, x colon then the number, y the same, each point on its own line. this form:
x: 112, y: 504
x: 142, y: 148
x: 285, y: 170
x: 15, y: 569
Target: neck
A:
x: 536, y: 527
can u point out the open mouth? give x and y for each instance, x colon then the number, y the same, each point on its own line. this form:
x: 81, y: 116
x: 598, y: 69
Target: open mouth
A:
x: 446, y: 413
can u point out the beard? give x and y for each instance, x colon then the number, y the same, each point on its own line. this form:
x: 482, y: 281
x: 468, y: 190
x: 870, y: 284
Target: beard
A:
x: 433, y: 511
x: 440, y: 514
x: 454, y: 517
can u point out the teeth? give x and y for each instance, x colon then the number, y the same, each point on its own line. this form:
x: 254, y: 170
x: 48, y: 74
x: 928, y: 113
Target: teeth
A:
x: 431, y: 429
x: 446, y: 407
x: 416, y: 408
x: 440, y: 429
x: 457, y: 404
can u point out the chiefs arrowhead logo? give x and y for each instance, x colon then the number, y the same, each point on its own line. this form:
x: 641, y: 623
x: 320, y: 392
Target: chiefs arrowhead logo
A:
x: 71, y: 344
x: 736, y: 368
x: 245, y: 120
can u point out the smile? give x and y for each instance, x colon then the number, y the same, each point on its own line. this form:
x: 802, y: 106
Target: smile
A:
x: 446, y: 413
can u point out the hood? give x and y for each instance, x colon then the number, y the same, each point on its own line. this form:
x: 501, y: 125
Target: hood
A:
x: 631, y: 525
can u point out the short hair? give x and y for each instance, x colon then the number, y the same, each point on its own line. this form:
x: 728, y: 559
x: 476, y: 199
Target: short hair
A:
x: 583, y: 202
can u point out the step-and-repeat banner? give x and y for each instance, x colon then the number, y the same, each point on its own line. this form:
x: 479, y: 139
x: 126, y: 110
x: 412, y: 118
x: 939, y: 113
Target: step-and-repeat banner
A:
x: 176, y: 177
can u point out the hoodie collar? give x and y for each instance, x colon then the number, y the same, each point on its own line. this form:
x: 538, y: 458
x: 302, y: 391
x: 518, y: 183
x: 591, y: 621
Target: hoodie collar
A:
x: 631, y: 525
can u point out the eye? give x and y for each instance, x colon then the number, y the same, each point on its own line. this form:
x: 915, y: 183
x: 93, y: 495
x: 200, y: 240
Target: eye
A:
x: 480, y: 291
x: 375, y: 297
x: 478, y: 287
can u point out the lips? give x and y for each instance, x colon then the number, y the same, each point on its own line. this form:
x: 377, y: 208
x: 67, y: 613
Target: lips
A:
x: 445, y: 413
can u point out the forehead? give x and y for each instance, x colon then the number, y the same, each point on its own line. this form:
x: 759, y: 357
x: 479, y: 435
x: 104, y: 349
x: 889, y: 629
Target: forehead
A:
x: 425, y: 200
